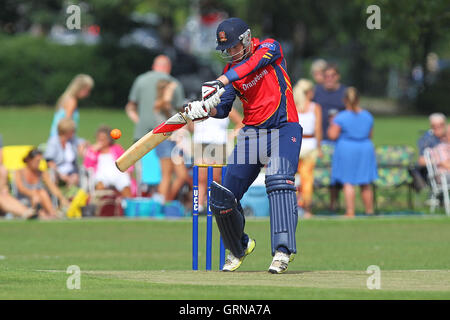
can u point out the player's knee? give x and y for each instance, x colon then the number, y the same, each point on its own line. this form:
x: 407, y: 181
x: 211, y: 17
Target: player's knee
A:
x: 280, y: 175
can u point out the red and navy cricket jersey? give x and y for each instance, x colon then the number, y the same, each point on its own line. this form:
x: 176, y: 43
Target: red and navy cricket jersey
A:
x: 263, y: 85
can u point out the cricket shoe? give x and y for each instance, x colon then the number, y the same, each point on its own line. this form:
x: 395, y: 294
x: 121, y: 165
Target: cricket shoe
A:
x: 232, y: 263
x: 280, y: 262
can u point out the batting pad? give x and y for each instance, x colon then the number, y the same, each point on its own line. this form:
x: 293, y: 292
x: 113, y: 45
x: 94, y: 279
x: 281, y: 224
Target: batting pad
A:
x: 230, y: 220
x: 281, y: 190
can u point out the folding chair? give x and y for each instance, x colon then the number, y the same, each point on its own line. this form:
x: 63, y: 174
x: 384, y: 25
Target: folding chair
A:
x: 393, y: 163
x: 322, y: 173
x: 438, y: 182
x: 13, y: 160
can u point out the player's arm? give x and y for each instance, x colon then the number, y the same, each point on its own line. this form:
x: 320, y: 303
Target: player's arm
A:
x: 267, y: 53
x: 226, y: 103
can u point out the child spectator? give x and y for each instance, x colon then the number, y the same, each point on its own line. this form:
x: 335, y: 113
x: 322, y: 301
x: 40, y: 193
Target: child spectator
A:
x: 101, y: 157
x: 30, y: 182
x: 61, y: 153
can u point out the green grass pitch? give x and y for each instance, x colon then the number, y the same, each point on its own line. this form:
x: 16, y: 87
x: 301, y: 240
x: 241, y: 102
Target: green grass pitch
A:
x: 151, y: 259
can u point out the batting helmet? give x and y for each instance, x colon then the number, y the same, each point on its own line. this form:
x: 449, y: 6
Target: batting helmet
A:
x: 230, y: 32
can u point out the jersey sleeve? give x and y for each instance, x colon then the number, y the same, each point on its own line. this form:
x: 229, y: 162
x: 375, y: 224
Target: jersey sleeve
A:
x: 226, y: 102
x: 268, y: 52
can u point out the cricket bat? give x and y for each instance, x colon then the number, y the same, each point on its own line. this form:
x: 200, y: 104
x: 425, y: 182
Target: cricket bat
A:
x: 148, y: 142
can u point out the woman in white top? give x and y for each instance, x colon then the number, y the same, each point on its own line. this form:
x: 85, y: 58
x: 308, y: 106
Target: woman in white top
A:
x: 310, y: 118
x: 210, y: 147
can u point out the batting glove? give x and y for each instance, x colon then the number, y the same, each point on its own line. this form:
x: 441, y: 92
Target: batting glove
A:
x: 196, y: 111
x: 211, y: 92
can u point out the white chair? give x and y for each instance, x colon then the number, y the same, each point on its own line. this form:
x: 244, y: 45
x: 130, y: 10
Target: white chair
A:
x: 438, y: 182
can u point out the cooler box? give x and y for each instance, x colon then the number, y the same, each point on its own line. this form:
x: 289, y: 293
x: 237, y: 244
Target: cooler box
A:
x: 142, y: 208
x: 173, y: 210
x: 151, y: 169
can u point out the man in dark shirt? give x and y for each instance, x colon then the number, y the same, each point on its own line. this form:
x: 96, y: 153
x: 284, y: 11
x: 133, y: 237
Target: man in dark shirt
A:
x: 330, y: 95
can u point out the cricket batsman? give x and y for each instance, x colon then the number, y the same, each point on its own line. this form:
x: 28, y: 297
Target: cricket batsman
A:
x: 256, y: 73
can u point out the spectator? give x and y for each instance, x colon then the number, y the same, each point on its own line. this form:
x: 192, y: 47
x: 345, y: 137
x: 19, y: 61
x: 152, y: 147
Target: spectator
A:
x: 310, y: 118
x: 210, y: 147
x: 62, y: 151
x: 30, y: 183
x: 67, y: 104
x: 330, y: 95
x: 143, y: 94
x: 354, y: 161
x: 317, y: 68
x: 440, y: 154
x: 7, y: 202
x: 429, y: 139
x: 147, y: 111
x: 101, y: 158
x: 433, y: 136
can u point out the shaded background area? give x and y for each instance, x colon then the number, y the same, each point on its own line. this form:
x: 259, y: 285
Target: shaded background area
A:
x: 406, y: 62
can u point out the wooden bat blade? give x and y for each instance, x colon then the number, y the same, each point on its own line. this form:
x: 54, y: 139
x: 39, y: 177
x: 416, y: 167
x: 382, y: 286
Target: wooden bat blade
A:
x: 139, y: 149
x: 148, y: 142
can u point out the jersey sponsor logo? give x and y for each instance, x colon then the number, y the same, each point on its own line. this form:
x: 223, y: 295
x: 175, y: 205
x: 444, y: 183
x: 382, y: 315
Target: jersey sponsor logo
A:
x: 222, y: 36
x: 294, y: 140
x: 268, y: 45
x: 255, y: 80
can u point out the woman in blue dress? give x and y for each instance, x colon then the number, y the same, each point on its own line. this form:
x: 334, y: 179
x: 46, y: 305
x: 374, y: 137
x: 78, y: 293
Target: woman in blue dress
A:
x: 354, y: 161
x: 67, y: 105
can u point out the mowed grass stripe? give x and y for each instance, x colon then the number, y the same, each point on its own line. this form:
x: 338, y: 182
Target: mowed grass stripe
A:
x: 124, y: 259
x: 403, y: 280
